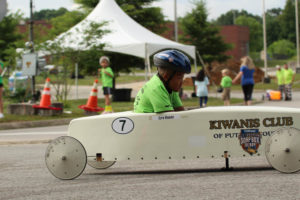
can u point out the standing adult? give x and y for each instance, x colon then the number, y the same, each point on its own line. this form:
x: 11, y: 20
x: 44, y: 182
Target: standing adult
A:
x: 289, y: 77
x: 1, y: 90
x: 280, y: 80
x: 247, y: 81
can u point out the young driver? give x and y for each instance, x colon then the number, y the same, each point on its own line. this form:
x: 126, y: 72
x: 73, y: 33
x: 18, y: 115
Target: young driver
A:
x: 161, y: 92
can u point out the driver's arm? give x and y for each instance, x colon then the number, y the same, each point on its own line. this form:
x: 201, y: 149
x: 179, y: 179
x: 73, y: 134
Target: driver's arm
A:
x: 180, y: 108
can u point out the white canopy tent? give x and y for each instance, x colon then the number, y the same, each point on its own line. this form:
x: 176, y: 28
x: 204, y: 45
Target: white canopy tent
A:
x: 126, y: 36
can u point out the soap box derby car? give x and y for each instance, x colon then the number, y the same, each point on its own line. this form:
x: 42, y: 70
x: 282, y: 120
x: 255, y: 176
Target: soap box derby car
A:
x: 236, y: 131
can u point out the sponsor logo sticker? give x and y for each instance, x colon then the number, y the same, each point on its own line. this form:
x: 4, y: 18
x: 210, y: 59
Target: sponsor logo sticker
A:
x: 250, y: 139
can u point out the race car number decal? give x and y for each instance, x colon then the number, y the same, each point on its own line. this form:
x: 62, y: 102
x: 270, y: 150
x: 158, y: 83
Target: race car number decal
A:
x: 122, y: 125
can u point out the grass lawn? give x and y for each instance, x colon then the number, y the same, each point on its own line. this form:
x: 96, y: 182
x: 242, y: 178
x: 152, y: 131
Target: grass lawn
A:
x: 89, y: 80
x: 72, y: 106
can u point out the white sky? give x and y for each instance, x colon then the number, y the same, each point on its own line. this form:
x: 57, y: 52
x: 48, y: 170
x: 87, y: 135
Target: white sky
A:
x: 215, y: 7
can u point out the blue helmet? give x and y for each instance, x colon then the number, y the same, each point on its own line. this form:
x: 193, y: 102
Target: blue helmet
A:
x: 172, y: 59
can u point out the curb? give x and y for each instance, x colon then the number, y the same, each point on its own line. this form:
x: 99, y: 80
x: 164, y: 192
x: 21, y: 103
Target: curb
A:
x: 33, y: 124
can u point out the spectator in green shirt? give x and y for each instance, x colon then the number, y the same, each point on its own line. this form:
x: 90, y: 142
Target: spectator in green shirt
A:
x: 106, y: 75
x: 161, y: 92
x: 1, y: 90
x: 280, y: 80
x: 289, y: 77
x: 226, y: 83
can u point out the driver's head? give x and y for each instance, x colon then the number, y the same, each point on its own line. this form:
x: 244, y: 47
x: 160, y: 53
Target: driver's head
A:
x: 172, y: 65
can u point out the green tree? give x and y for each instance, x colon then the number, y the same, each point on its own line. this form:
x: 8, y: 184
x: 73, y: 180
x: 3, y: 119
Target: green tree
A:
x: 206, y: 37
x: 287, y: 21
x: 47, y: 14
x: 87, y: 3
x: 8, y: 35
x: 256, y: 34
x: 282, y: 49
x: 229, y: 17
x: 65, y: 22
x: 272, y: 25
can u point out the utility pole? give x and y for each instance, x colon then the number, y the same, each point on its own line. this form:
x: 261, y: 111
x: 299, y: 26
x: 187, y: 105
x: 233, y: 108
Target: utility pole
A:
x: 233, y: 12
x: 266, y: 78
x: 175, y: 21
x: 31, y: 40
x: 31, y: 26
x: 297, y: 37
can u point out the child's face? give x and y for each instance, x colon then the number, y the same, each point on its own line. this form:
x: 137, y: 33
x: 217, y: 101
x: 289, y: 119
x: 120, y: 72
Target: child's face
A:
x: 176, y: 82
x: 104, y: 63
x: 223, y: 74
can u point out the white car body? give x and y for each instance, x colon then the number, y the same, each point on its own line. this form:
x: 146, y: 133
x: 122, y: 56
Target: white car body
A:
x: 211, y: 132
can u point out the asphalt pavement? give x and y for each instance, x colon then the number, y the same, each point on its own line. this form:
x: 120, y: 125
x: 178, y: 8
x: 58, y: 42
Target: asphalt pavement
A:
x: 24, y: 176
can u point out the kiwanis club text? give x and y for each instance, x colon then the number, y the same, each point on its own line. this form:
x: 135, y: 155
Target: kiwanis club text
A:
x: 250, y: 123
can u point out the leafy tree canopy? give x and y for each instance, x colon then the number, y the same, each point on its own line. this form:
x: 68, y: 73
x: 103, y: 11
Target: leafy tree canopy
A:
x: 272, y: 25
x: 282, y: 49
x: 287, y: 21
x: 65, y: 22
x: 48, y: 14
x: 256, y: 34
x: 199, y: 32
x: 229, y: 17
x: 8, y: 35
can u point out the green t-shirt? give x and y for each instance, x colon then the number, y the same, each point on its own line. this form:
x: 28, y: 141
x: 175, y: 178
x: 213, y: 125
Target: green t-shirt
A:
x: 288, y: 75
x: 107, y: 81
x: 154, y: 98
x: 226, y: 82
x: 280, y: 77
x: 2, y: 66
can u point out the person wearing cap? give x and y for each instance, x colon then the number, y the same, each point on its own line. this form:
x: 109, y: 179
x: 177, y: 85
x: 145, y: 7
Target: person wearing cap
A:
x: 289, y: 77
x: 106, y: 75
x: 161, y: 92
x: 1, y: 90
x: 280, y: 80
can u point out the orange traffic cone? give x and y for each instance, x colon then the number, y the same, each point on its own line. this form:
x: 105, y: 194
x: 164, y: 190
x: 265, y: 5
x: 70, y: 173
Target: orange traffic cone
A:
x: 46, y: 98
x: 92, y: 103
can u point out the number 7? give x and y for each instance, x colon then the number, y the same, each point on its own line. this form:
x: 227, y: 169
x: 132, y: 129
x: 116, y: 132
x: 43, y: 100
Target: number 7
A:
x: 123, y: 121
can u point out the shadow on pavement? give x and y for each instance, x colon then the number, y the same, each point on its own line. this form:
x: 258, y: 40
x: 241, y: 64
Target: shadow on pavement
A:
x: 184, y: 171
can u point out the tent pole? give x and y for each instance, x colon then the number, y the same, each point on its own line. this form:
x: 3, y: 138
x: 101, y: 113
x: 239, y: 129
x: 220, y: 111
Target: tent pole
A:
x: 146, y: 69
x: 149, y: 66
x: 147, y: 63
x: 195, y: 63
x: 201, y: 60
